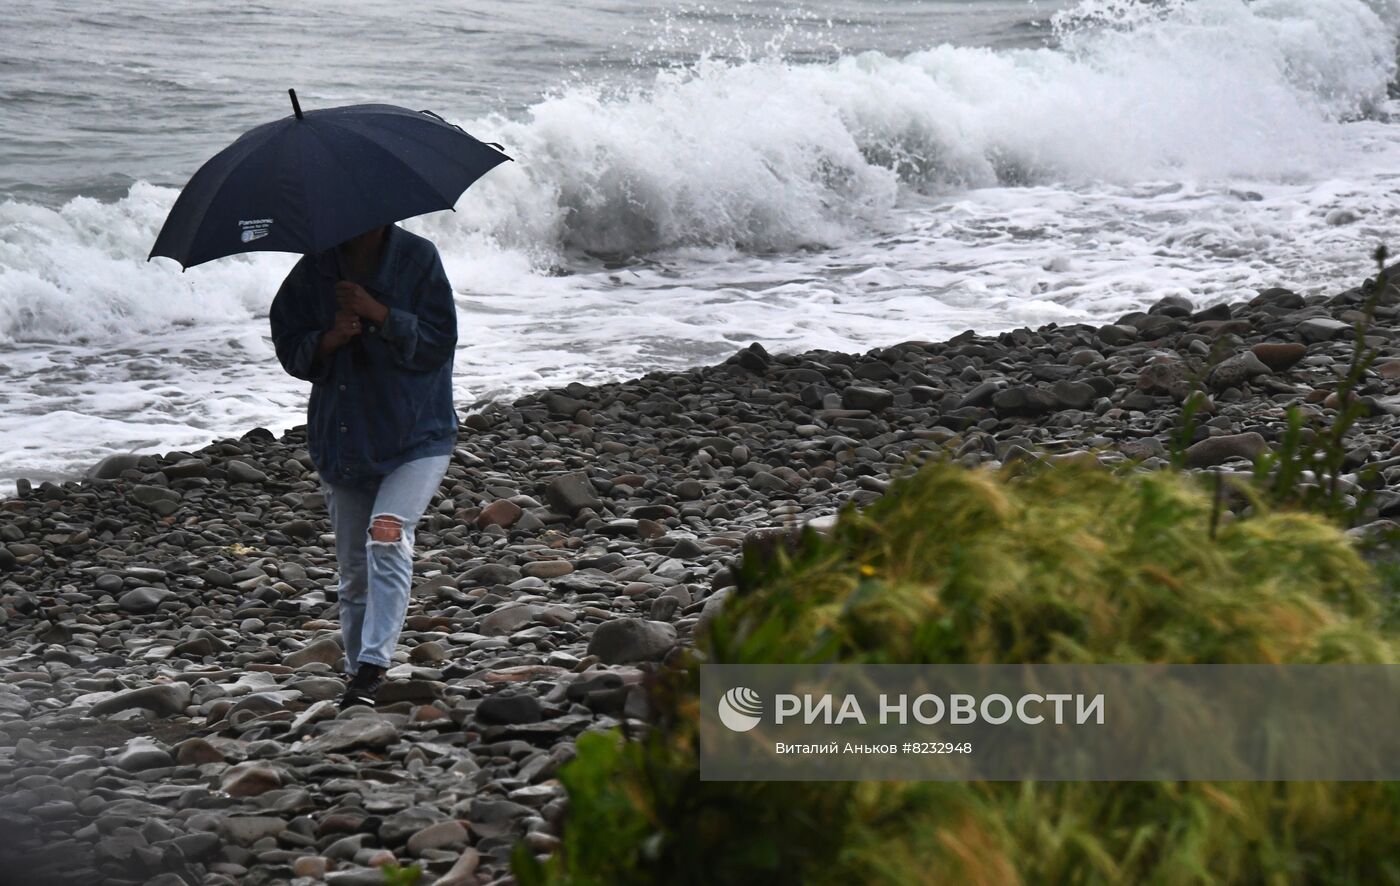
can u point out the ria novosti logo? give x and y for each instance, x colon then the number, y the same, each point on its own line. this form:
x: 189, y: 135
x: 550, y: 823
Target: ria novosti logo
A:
x: 740, y: 709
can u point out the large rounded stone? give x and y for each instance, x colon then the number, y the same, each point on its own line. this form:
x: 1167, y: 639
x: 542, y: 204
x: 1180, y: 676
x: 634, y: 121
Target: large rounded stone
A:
x: 1023, y: 400
x: 142, y: 754
x: 111, y: 467
x: 142, y: 601
x: 1235, y: 371
x: 1215, y: 450
x: 240, y: 471
x: 571, y: 493
x: 1074, y: 394
x: 360, y: 732
x: 245, y: 830
x: 1280, y: 356
x: 442, y: 835
x: 463, y: 873
x: 547, y: 568
x: 186, y: 468
x: 1163, y: 375
x: 161, y: 499
x: 502, y: 513
x: 1321, y: 329
x: 497, y: 709
x: 870, y: 399
x: 197, y: 751
x: 250, y: 779
x: 163, y: 699
x: 325, y: 650
x: 508, y: 619
x: 631, y: 639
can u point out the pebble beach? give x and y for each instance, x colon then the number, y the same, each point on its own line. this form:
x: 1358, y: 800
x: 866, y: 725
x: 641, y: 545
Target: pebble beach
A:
x: 168, y: 633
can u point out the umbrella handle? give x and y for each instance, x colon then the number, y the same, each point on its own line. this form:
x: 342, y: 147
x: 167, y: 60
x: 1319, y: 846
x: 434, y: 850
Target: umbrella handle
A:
x: 357, y: 345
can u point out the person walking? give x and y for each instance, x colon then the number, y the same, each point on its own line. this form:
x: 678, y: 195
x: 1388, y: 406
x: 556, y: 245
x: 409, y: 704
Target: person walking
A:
x: 372, y: 325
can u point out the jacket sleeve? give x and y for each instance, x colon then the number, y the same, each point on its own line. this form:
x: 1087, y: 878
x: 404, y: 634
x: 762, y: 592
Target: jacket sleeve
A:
x: 424, y: 338
x: 295, y: 331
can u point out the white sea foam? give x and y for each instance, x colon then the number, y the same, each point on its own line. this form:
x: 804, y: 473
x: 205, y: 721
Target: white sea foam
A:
x: 1201, y: 147
x: 771, y: 156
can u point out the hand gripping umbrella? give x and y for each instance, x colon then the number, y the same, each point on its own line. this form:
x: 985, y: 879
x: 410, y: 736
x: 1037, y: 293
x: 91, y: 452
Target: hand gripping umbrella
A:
x: 310, y: 181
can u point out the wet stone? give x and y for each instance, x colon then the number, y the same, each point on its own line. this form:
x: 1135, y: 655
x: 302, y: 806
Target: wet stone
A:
x: 442, y: 835
x: 1323, y: 329
x: 250, y: 779
x: 1280, y: 356
x: 141, y: 754
x: 325, y: 650
x: 501, y: 513
x: 547, y: 568
x: 360, y: 732
x: 240, y: 471
x: 508, y: 619
x: 245, y: 830
x: 509, y: 709
x: 142, y: 601
x: 870, y: 399
x: 166, y: 700
x: 631, y: 639
x: 1216, y: 450
x: 197, y: 751
x: 571, y: 493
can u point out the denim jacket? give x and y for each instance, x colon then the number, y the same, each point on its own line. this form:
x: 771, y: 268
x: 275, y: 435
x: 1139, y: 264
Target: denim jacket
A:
x: 385, y: 398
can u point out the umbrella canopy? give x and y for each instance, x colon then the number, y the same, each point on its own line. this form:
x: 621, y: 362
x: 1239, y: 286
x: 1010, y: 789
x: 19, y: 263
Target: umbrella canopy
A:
x: 310, y: 181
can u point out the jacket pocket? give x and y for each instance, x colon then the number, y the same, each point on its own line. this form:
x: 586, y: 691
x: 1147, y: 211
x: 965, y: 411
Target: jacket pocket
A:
x: 396, y: 414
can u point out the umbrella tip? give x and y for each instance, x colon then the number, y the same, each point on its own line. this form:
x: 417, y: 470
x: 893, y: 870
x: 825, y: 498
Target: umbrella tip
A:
x: 296, y: 105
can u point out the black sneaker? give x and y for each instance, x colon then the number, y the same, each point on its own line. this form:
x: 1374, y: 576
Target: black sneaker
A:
x: 362, y: 687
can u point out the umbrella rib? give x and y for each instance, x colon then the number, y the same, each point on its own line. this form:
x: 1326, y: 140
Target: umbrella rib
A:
x: 409, y: 169
x: 409, y: 135
x: 306, y: 203
x: 346, y: 174
x: 211, y: 195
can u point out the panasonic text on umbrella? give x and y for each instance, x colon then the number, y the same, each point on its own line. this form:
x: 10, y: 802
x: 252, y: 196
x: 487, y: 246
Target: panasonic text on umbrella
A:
x: 254, y: 228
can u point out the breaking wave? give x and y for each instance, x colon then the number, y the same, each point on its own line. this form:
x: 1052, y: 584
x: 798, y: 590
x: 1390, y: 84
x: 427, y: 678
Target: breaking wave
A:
x: 769, y: 155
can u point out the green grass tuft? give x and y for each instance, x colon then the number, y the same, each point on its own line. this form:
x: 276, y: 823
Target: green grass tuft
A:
x: 1066, y: 564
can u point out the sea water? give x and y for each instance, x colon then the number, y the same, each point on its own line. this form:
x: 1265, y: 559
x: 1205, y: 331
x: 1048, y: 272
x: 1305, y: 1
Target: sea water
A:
x: 688, y: 177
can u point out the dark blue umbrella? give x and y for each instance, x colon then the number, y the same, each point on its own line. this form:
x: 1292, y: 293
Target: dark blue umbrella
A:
x: 309, y: 181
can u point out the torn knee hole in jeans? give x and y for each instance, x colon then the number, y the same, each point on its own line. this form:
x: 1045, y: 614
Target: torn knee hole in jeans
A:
x: 387, y: 530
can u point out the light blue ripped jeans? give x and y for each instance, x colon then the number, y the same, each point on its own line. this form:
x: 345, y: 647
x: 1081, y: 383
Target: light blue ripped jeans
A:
x: 376, y: 576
